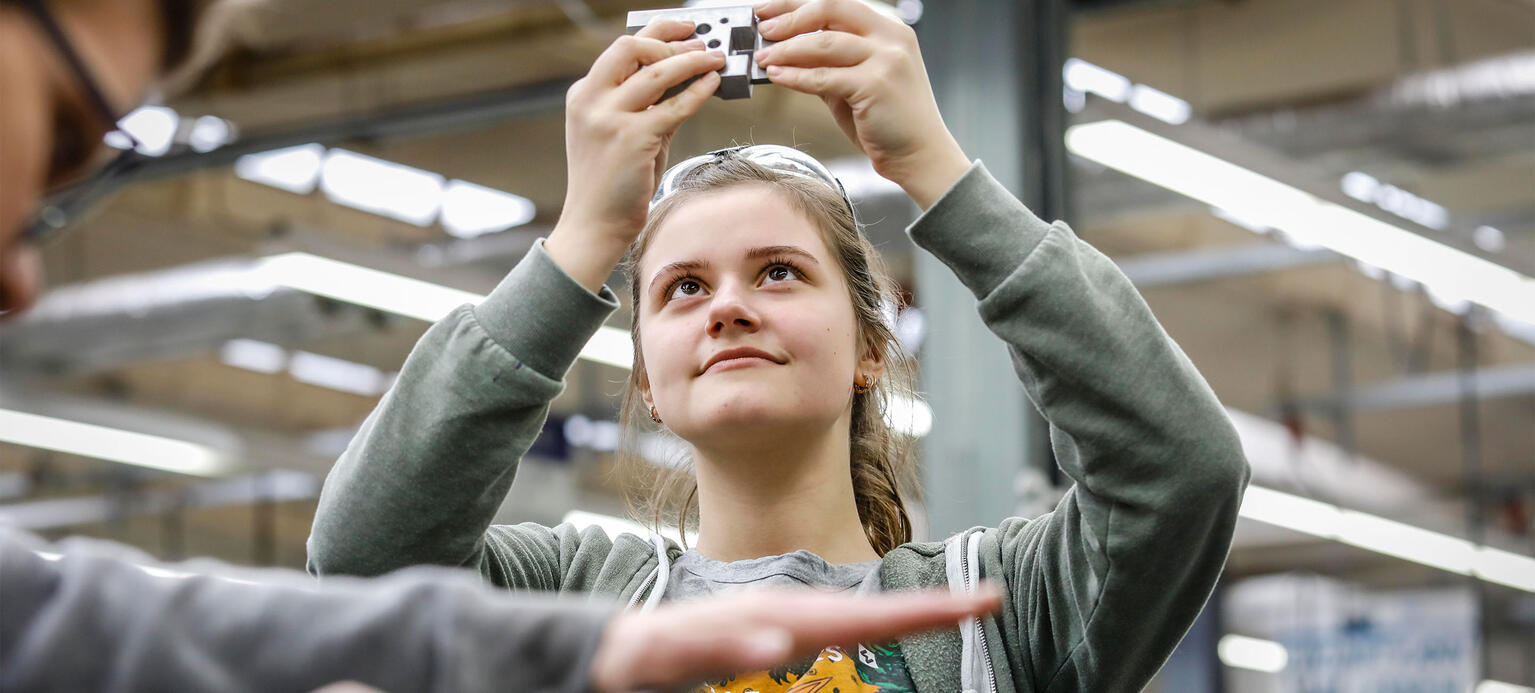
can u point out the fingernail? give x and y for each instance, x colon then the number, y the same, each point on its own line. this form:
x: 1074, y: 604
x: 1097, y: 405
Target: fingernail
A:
x: 774, y: 71
x: 768, y: 25
x: 763, y: 55
x: 693, y: 44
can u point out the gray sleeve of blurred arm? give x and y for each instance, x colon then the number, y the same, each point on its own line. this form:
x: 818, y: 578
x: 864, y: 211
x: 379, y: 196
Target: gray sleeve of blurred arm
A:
x: 77, y: 617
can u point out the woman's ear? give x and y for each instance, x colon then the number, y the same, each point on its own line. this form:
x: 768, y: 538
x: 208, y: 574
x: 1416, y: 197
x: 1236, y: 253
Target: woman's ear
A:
x: 872, y: 365
x: 642, y: 381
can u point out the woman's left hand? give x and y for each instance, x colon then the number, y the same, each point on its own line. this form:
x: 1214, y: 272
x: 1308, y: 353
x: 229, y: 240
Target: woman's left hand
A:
x: 868, y: 69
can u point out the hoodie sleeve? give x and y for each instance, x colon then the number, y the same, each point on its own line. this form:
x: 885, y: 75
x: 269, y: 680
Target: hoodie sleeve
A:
x: 99, y: 617
x: 1102, y: 588
x: 428, y: 469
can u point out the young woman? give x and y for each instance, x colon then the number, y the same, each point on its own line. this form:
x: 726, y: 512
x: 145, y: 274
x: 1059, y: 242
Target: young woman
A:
x: 760, y: 340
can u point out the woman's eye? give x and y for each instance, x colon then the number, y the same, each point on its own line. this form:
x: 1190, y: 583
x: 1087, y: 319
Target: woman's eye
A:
x: 685, y: 288
x: 781, y: 273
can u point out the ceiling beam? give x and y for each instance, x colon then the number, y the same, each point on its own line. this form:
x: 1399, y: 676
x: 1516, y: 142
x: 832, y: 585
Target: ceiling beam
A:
x: 1432, y: 389
x: 1151, y: 270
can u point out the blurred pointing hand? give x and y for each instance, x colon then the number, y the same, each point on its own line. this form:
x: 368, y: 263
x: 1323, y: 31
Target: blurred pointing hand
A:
x: 682, y: 644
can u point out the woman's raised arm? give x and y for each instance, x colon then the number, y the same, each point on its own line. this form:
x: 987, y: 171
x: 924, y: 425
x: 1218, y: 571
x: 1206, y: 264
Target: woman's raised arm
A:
x: 1101, y: 589
x: 427, y: 471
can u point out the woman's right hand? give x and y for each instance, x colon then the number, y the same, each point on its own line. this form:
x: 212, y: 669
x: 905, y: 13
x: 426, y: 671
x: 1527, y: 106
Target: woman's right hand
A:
x: 616, y: 141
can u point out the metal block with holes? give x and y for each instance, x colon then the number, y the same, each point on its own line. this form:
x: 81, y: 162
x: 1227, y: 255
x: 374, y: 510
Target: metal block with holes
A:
x: 729, y: 30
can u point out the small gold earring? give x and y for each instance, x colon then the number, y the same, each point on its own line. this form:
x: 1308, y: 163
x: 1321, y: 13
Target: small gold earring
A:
x: 654, y: 416
x: 861, y: 384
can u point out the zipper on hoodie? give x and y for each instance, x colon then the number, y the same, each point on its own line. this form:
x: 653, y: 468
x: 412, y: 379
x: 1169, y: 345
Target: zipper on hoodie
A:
x: 980, y: 626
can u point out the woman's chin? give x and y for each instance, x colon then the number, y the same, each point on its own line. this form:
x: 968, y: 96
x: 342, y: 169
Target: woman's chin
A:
x: 753, y: 417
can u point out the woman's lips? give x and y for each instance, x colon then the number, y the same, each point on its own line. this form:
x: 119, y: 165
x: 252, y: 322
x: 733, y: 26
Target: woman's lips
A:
x: 739, y: 362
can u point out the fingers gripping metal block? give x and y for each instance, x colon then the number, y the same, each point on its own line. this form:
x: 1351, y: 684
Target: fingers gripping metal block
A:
x: 729, y: 30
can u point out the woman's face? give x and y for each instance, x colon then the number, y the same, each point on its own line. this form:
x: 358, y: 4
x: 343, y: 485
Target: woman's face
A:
x: 746, y: 326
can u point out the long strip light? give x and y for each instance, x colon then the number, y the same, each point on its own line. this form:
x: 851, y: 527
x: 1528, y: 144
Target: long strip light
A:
x: 401, y: 295
x: 1244, y: 652
x: 1451, y: 274
x: 1491, y: 686
x: 110, y: 444
x: 387, y: 188
x: 1388, y: 537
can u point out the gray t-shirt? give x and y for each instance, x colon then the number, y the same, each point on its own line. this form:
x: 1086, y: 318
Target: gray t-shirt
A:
x: 695, y: 576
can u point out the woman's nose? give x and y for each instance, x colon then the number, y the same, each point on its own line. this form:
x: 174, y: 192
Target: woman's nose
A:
x: 730, y: 310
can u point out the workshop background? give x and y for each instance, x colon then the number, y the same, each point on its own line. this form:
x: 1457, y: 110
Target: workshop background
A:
x: 1330, y: 205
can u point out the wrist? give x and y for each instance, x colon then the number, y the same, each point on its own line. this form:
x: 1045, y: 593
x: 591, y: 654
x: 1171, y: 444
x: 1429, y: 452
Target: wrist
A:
x: 584, y: 252
x: 927, y: 180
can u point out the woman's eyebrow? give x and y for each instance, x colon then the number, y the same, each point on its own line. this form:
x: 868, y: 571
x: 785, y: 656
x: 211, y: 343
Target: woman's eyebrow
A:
x: 674, y: 267
x: 775, y: 250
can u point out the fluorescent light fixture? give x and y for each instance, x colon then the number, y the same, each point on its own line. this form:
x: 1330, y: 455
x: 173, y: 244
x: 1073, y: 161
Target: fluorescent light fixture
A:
x: 1406, y: 542
x: 401, y: 295
x: 1389, y: 537
x: 338, y: 374
x: 594, y: 434
x: 254, y: 356
x: 116, y: 445
x: 1505, y: 568
x: 153, y: 126
x: 1365, y: 188
x: 374, y: 185
x: 1160, y: 104
x: 1304, y: 218
x: 349, y: 283
x: 1074, y: 100
x: 470, y: 210
x: 1252, y: 225
x: 209, y: 133
x: 611, y: 346
x: 305, y: 367
x: 1243, y: 652
x: 294, y: 169
x: 1086, y: 77
x: 1489, y: 238
x: 1490, y: 686
x: 381, y: 187
x: 1291, y: 512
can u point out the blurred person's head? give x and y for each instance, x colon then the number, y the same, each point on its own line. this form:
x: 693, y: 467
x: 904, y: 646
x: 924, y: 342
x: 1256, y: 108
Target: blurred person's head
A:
x: 60, y: 93
x: 740, y: 255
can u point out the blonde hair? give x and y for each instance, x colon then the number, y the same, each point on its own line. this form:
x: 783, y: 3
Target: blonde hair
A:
x: 881, y: 459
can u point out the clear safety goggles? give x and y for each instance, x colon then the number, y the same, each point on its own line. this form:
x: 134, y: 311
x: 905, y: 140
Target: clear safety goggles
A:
x: 774, y: 157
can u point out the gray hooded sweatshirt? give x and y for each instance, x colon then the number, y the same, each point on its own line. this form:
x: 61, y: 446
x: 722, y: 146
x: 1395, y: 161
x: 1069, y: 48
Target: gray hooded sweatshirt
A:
x: 1098, y: 592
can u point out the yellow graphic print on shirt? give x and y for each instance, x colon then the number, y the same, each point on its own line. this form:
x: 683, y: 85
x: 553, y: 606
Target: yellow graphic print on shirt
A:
x: 873, y: 669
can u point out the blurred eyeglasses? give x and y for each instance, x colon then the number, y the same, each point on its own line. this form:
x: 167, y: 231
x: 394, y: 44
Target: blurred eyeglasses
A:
x: 78, y: 133
x: 774, y: 157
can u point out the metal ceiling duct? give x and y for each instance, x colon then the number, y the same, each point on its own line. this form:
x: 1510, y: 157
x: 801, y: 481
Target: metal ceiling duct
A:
x: 160, y: 315
x: 1424, y: 108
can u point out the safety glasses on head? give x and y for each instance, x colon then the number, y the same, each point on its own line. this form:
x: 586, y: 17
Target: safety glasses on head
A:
x: 771, y: 156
